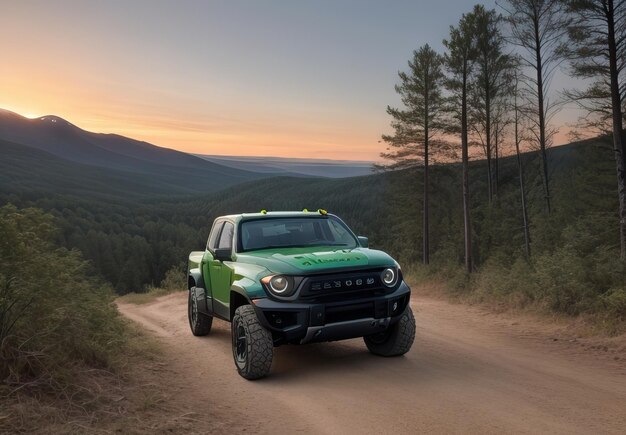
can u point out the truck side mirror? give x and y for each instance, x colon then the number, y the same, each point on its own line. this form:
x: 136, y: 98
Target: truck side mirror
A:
x: 223, y: 254
x: 364, y: 241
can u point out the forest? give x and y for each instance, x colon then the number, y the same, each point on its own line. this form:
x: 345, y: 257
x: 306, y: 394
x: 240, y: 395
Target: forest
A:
x: 575, y: 266
x: 473, y: 193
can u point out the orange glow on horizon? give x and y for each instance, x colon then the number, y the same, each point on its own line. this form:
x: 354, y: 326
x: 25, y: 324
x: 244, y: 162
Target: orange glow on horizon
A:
x: 195, y: 137
x: 192, y: 131
x: 198, y: 128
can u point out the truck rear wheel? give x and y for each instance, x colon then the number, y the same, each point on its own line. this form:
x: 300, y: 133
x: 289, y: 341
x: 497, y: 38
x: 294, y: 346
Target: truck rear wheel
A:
x: 199, y: 323
x: 253, y: 347
x: 396, y: 340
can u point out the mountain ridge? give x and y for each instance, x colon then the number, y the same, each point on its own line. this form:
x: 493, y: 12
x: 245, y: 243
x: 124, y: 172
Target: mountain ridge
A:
x: 58, y: 136
x: 81, y: 151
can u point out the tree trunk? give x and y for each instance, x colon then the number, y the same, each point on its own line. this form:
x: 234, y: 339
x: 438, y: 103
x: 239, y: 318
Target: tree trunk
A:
x: 618, y: 133
x: 488, y: 139
x: 542, y: 121
x: 489, y: 175
x: 426, y: 237
x: 521, y: 185
x: 496, y: 172
x: 465, y: 159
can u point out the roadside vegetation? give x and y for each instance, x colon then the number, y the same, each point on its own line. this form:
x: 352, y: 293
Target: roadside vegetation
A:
x: 64, y: 348
x: 174, y: 281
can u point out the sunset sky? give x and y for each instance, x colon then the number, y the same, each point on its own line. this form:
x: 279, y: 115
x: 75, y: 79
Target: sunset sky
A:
x: 275, y: 78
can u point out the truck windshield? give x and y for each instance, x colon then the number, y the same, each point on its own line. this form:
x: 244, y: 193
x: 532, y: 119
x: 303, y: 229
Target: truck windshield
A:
x: 295, y: 232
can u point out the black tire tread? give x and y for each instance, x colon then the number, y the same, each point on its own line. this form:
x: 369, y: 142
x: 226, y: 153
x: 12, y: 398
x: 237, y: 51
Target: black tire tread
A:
x: 203, y: 324
x: 260, y: 345
x: 400, y: 339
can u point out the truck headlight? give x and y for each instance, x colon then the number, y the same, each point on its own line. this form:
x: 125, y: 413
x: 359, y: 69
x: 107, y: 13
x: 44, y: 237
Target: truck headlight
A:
x: 280, y: 285
x: 389, y: 277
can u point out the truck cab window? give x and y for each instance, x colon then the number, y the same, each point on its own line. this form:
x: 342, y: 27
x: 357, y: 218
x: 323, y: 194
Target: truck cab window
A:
x: 226, y: 239
x: 215, y: 232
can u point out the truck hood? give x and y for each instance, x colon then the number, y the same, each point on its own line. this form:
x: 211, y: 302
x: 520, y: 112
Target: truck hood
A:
x: 312, y: 260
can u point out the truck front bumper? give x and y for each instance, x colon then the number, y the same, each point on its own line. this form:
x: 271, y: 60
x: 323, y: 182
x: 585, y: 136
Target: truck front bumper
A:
x: 304, y: 322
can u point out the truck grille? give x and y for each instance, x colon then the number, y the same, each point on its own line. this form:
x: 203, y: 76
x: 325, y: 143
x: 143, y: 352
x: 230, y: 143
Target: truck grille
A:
x: 342, y: 286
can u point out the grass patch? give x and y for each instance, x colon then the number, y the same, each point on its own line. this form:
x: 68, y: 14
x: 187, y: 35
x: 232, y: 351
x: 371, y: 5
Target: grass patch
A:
x: 561, y: 285
x: 95, y: 399
x: 174, y: 281
x: 145, y: 297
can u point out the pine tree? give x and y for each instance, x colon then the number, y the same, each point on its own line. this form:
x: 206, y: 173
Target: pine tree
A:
x: 418, y: 125
x: 517, y: 120
x: 460, y: 58
x: 492, y: 64
x: 538, y: 27
x: 597, y: 51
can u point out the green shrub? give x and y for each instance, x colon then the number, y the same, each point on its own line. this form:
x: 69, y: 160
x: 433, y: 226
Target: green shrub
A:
x: 514, y: 285
x: 562, y: 282
x: 614, y: 302
x: 54, y: 316
x: 175, y: 280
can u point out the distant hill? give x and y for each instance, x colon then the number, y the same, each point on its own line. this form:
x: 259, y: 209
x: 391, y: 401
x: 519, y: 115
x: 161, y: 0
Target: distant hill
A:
x: 291, y: 166
x: 59, y: 137
x: 85, y: 156
x: 25, y: 170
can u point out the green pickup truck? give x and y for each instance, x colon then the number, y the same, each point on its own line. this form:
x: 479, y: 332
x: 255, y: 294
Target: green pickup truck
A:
x: 296, y: 277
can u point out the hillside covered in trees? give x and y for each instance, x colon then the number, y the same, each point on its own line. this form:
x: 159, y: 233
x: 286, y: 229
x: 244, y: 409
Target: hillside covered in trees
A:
x: 575, y: 265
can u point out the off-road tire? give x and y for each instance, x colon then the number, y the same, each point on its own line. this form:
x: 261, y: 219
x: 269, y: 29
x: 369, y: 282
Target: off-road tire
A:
x: 253, y: 347
x: 199, y: 323
x: 396, y: 340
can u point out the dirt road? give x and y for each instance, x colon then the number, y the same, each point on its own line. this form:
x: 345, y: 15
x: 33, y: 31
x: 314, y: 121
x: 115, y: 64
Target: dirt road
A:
x: 468, y: 372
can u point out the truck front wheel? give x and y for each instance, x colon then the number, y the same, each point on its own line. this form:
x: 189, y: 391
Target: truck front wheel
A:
x: 253, y: 347
x: 199, y: 323
x: 397, y: 339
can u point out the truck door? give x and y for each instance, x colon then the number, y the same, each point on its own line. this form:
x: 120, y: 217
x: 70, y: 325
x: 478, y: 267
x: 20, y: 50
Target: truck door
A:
x: 207, y: 260
x: 221, y: 274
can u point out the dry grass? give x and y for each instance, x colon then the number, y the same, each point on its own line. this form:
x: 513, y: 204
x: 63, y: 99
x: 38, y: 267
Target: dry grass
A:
x: 174, y: 281
x: 146, y: 297
x: 595, y: 325
x: 94, y: 400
